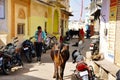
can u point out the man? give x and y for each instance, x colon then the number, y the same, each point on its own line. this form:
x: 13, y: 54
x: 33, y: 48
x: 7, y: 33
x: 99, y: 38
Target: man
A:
x: 40, y: 36
x: 87, y: 31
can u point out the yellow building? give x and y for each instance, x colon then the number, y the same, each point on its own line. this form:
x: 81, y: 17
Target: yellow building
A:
x: 22, y: 17
x: 60, y: 17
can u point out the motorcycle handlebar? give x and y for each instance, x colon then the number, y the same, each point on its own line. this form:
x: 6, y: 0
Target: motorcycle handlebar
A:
x: 31, y: 37
x: 15, y: 38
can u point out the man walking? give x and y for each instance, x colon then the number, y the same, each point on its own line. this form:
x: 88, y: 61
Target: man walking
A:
x: 40, y: 36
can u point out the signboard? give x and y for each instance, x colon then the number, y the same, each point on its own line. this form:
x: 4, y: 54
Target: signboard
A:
x: 111, y: 37
x: 112, y: 27
x: 117, y: 39
x: 113, y: 12
x: 113, y: 3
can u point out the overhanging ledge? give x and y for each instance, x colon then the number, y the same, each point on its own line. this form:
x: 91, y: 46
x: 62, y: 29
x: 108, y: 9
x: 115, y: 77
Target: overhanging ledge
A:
x: 66, y: 12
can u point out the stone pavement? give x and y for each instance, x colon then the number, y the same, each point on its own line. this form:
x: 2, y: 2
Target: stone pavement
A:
x: 44, y: 71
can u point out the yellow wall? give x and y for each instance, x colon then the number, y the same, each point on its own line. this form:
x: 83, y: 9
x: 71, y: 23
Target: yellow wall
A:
x: 56, y: 22
x: 11, y: 17
x: 50, y: 21
x: 36, y: 14
x: 38, y: 17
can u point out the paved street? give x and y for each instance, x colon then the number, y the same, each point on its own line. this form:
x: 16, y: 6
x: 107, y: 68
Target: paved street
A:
x: 44, y: 71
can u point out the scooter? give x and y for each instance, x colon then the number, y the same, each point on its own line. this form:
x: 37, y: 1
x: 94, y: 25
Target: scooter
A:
x: 9, y: 57
x: 28, y: 49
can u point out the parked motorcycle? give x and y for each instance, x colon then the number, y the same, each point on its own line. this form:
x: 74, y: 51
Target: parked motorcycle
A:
x: 94, y: 46
x: 9, y: 57
x: 48, y: 43
x: 28, y: 49
x: 82, y: 71
x: 1, y: 55
x: 4, y: 63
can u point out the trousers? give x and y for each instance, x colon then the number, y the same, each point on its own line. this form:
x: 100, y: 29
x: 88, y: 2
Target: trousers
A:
x: 39, y: 50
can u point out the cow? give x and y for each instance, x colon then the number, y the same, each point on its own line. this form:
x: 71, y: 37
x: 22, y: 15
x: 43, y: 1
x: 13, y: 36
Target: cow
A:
x: 73, y: 33
x: 59, y: 54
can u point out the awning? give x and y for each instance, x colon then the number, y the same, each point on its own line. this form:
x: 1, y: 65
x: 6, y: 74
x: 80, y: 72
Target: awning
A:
x: 67, y: 12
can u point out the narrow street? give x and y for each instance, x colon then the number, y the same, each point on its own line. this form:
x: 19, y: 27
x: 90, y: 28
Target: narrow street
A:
x: 44, y: 71
x: 22, y: 20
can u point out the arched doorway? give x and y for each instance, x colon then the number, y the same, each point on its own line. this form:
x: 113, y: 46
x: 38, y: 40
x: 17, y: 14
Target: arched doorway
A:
x: 56, y: 22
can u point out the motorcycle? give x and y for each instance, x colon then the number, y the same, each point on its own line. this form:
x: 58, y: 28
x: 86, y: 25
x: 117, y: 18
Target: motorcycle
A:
x: 94, y: 46
x: 82, y: 71
x: 9, y: 57
x: 28, y: 49
x: 1, y: 56
x: 4, y: 63
x: 48, y: 43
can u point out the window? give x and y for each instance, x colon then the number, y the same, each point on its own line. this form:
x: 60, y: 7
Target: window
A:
x: 45, y: 27
x: 20, y: 28
x: 2, y: 9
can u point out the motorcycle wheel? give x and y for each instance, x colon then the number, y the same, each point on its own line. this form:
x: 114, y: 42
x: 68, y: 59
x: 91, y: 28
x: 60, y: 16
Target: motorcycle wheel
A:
x: 85, y: 77
x: 28, y: 57
x: 44, y: 49
x: 74, y: 77
x: 5, y: 69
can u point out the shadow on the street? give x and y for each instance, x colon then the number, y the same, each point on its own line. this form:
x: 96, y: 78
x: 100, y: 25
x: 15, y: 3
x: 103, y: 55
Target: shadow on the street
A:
x: 20, y: 70
x: 20, y: 77
x: 21, y: 74
x: 67, y: 77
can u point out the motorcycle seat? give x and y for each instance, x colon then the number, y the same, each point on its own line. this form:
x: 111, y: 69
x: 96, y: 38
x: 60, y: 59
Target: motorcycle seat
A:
x: 81, y: 66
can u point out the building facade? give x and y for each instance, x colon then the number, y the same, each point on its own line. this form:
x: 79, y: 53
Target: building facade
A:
x: 21, y: 17
x: 109, y: 39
